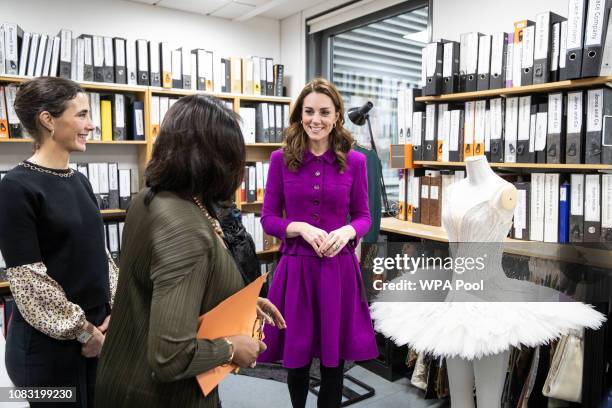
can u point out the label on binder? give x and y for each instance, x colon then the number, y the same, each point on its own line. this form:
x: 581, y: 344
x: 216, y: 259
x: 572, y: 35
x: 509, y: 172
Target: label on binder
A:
x: 119, y: 111
x: 520, y: 213
x: 541, y: 36
x: 577, y: 194
x: 595, y: 23
x: 528, y: 40
x: 66, y: 48
x: 472, y: 57
x: 540, y: 131
x: 555, y: 113
x: 431, y: 52
x: 574, y: 24
x: 497, y: 51
x: 574, y: 112
x: 433, y: 192
x: 484, y: 51
x: 524, y: 117
x: 591, y: 199
x: 480, y: 122
x: 430, y: 122
x: 120, y: 52
x: 563, y: 44
x: 454, y: 130
x: 447, y: 64
x: 496, y: 118
x: 594, y: 111
x: 606, y: 198
x: 554, y: 61
x: 417, y: 125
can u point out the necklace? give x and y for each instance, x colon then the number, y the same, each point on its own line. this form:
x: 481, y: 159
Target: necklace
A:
x: 215, y: 223
x: 40, y: 169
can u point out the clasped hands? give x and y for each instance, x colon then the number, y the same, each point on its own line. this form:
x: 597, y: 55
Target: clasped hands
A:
x: 324, y: 243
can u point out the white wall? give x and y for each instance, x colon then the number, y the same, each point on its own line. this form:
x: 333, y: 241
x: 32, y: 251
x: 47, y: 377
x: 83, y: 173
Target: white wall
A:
x: 453, y: 17
x: 258, y: 36
x: 450, y: 19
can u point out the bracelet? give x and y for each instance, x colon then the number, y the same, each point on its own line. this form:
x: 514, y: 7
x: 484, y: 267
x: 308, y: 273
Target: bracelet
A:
x: 231, y: 347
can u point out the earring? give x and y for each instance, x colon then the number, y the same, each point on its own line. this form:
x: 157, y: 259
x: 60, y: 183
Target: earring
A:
x: 52, y: 133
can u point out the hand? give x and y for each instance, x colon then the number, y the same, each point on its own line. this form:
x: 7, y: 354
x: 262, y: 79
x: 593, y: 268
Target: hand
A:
x: 246, y: 350
x: 270, y: 314
x: 336, y: 240
x: 104, y: 326
x: 314, y: 236
x: 93, y: 347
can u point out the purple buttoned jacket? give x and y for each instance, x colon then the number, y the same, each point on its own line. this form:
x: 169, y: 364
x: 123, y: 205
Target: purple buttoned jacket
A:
x: 318, y: 194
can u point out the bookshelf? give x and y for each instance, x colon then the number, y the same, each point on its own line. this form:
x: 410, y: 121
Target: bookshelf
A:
x: 144, y: 148
x: 519, y: 90
x: 534, y: 166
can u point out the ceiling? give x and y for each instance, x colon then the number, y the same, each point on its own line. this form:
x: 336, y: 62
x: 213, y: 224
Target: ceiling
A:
x: 238, y: 10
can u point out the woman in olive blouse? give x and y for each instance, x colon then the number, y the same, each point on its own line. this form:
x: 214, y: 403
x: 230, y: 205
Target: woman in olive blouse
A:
x: 176, y: 267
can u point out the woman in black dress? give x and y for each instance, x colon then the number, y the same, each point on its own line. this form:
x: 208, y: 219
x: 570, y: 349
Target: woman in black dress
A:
x: 52, y: 239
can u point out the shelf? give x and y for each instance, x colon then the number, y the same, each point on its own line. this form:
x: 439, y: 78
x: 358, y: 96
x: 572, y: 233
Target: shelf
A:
x: 113, y: 213
x: 521, y: 165
x: 89, y: 142
x: 94, y: 86
x: 183, y: 92
x: 4, y: 284
x: 264, y: 145
x: 527, y: 89
x: 269, y: 251
x: 242, y: 204
x: 545, y: 250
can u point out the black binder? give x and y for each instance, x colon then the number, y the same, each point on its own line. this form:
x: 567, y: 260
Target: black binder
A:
x: 595, y: 36
x: 418, y: 131
x: 526, y: 109
x: 497, y: 129
x: 484, y: 62
x: 499, y: 55
x: 433, y: 79
x: 547, y: 36
x: 574, y: 149
x: 594, y: 126
x: 555, y: 139
x: 431, y: 133
x: 142, y: 62
x: 592, y: 208
x: 575, y: 34
x: 450, y: 68
x: 520, y: 226
x: 576, y: 232
x: 120, y: 68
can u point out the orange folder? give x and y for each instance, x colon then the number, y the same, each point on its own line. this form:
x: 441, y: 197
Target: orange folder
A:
x: 234, y: 316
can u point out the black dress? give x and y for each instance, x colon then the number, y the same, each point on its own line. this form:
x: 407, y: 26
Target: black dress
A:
x: 50, y: 217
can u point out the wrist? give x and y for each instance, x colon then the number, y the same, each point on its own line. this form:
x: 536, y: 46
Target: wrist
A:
x: 230, y: 358
x: 85, y: 333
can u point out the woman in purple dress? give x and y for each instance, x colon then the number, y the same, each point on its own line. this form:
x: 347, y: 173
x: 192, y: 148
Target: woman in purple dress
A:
x: 320, y: 185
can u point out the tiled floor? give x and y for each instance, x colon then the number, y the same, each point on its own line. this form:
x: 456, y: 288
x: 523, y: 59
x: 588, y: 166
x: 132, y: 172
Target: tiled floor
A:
x: 238, y: 391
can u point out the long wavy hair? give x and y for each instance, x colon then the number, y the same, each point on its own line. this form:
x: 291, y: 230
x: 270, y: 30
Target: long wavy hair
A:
x: 296, y: 138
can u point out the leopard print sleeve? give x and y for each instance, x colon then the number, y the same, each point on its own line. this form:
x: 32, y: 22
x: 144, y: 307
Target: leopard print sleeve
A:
x: 113, y: 276
x: 42, y: 302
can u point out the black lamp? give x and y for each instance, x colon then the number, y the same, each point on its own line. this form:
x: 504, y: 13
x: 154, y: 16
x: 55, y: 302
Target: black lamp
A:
x: 359, y: 116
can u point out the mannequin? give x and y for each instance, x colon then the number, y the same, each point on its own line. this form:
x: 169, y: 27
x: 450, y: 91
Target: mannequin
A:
x: 475, y: 331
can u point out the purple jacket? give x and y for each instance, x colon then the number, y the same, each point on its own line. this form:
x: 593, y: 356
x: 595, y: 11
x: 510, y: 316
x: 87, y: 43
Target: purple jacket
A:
x: 316, y: 194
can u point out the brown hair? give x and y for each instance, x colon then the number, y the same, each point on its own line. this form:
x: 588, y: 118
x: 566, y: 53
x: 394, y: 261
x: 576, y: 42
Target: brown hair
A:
x: 199, y: 152
x: 43, y: 94
x: 296, y: 139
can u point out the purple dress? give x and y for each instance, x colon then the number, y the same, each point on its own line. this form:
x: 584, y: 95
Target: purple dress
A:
x: 321, y: 298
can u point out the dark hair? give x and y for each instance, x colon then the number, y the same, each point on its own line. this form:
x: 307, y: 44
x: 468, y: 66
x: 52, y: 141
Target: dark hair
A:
x: 199, y: 151
x: 43, y: 94
x: 296, y: 139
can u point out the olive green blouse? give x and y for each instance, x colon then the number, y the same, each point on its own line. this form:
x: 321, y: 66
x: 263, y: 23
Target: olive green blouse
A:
x: 173, y: 269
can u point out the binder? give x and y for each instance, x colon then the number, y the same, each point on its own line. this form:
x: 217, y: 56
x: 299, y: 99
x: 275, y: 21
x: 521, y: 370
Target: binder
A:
x: 444, y: 137
x: 537, y: 207
x: 455, y: 148
x: 606, y: 208
x: 594, y: 36
x: 606, y: 60
x: 509, y: 67
x: 109, y: 60
x: 88, y: 66
x: 606, y: 132
x: 511, y: 129
x: 154, y: 65
x: 54, y: 66
x: 576, y: 18
x: 177, y: 69
x: 576, y: 230
x: 468, y: 129
x: 261, y: 135
x: 594, y: 126
x: 434, y: 53
x: 164, y: 105
x: 431, y: 130
x: 401, y: 120
x: 236, y: 75
x: 279, y: 79
x: 450, y: 68
x: 563, y: 51
x: 499, y: 53
x: 13, y: 38
x: 279, y: 122
x: 209, y: 71
x: 113, y: 186
x: 120, y: 63
x: 199, y: 75
x: 517, y: 64
x: 269, y: 77
x: 424, y: 200
x: 262, y: 78
x: 546, y: 48
x: 96, y: 119
x: 435, y: 198
x: 15, y: 128
x: 520, y: 227
x: 247, y: 76
x: 106, y: 118
x: 113, y: 240
x: 118, y: 115
x: 418, y: 128
x: 194, y: 70
x: 478, y: 148
x: 74, y: 74
x: 259, y: 181
x: 256, y: 75
x: 484, y: 62
x: 487, y: 135
x: 592, y: 208
x: 33, y: 52
x: 125, y: 188
x: 226, y: 75
x: 94, y: 180
x: 574, y: 152
x: 555, y: 138
x: 130, y: 62
x: 4, y: 129
x: 497, y: 130
x: 102, y: 169
x: 468, y: 64
x: 527, y: 55
x: 142, y: 61
x: 138, y: 120
x: 415, y: 197
x: 98, y: 58
x: 2, y: 66
x: 523, y: 153
x: 441, y: 134
x: 551, y: 207
x: 65, y: 60
x: 185, y: 68
x: 564, y: 212
x: 541, y: 125
x: 402, y: 202
x: 252, y: 186
x: 40, y: 58
x: 166, y: 64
